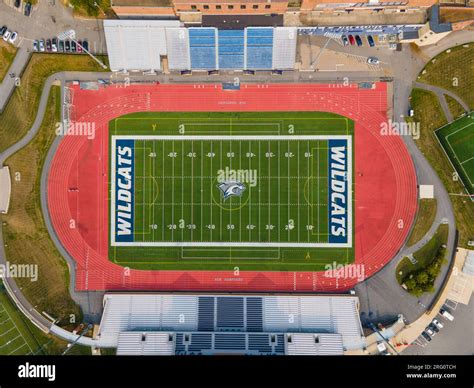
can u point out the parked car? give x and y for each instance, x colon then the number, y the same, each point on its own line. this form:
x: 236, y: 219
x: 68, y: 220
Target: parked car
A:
x: 351, y: 40
x: 373, y: 60
x: 370, y: 40
x: 430, y: 332
x: 446, y: 314
x: 41, y: 45
x: 358, y: 40
x: 6, y: 35
x: 345, y: 41
x: 67, y: 46
x: 438, y: 324
x: 61, y: 46
x: 73, y: 46
x: 433, y: 327
x: 27, y: 9
x: 54, y: 45
x: 35, y: 45
x: 13, y: 37
x: 3, y: 30
x: 48, y: 44
x: 426, y: 336
x: 85, y: 45
x: 79, y: 46
x: 17, y: 3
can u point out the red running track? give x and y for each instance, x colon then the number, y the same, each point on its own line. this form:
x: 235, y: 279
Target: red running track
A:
x: 385, y: 180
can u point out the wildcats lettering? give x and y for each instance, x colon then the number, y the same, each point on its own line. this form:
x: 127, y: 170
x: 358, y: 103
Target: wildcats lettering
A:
x: 338, y: 187
x: 124, y: 186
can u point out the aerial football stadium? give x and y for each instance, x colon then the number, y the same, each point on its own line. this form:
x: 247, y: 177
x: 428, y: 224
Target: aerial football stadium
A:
x: 200, y: 194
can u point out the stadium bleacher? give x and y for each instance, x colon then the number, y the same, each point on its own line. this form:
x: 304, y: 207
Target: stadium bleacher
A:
x: 211, y: 324
x: 231, y: 49
x: 259, y: 48
x: 202, y: 43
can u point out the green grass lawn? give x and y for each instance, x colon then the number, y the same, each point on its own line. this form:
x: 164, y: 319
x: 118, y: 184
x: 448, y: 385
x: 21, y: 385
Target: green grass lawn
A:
x: 429, y: 114
x: 424, y: 219
x: 178, y: 202
x: 20, y: 111
x: 424, y: 256
x: 24, y: 232
x: 452, y: 70
x: 7, y: 55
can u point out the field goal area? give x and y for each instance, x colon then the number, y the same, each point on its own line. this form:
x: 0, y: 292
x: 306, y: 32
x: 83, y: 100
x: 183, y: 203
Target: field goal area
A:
x: 457, y: 140
x: 235, y: 187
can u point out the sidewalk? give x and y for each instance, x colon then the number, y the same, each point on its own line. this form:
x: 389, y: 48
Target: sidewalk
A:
x: 8, y: 85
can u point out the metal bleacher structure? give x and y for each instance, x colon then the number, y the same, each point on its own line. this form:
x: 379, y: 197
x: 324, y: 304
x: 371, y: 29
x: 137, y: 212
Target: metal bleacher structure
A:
x: 179, y: 324
x: 139, y: 45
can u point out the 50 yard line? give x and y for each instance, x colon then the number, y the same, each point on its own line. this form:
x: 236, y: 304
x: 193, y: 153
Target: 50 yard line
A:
x: 163, y: 192
x: 202, y: 190
x: 172, y: 190
x: 182, y: 188
x: 212, y: 205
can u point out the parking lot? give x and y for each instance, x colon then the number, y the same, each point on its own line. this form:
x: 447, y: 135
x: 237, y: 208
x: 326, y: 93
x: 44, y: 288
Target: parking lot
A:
x: 449, y: 339
x: 46, y: 21
x: 329, y: 53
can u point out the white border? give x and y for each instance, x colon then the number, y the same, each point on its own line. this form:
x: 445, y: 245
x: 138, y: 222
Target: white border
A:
x: 348, y: 244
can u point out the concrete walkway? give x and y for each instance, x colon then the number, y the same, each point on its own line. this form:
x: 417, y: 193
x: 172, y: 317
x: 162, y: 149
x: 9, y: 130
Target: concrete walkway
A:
x: 441, y: 93
x: 9, y: 83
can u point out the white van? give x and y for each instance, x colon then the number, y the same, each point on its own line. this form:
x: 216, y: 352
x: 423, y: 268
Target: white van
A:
x: 446, y: 314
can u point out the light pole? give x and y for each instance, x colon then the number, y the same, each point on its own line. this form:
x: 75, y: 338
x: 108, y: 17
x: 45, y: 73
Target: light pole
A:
x: 71, y: 34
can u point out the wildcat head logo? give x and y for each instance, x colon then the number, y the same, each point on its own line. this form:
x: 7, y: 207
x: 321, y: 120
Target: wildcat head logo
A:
x: 229, y: 189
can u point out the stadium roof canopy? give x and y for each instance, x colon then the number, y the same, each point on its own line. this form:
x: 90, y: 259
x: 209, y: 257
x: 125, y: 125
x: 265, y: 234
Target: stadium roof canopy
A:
x: 210, y: 324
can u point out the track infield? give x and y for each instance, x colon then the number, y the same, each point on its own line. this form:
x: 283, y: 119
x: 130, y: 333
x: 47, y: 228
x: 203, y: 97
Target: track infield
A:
x: 172, y: 211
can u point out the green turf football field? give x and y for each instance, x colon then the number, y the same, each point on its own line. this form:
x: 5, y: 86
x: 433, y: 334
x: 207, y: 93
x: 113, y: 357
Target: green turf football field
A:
x: 279, y: 221
x: 16, y: 337
x: 457, y: 139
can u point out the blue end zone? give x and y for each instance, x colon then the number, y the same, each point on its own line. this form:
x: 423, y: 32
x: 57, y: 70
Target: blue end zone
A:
x: 338, y: 191
x: 124, y: 189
